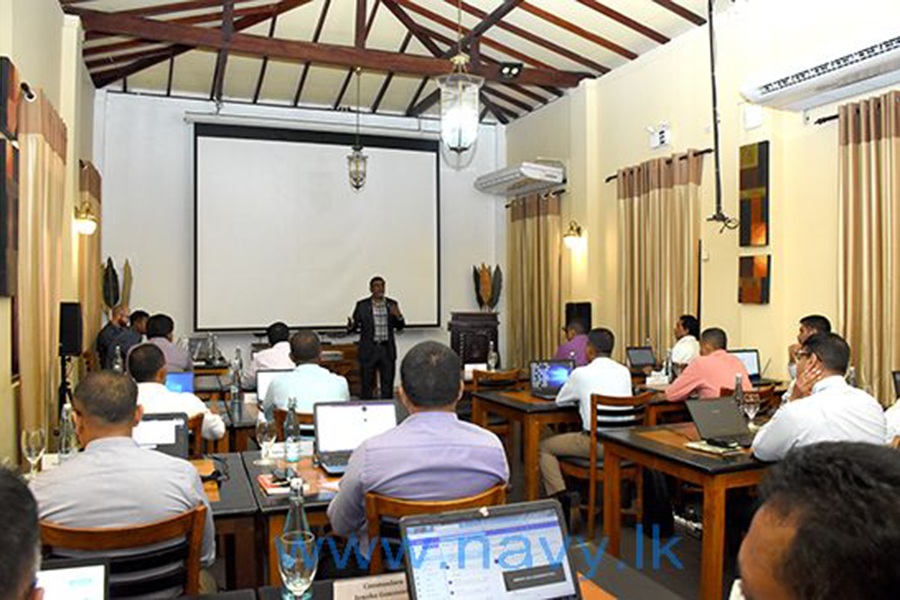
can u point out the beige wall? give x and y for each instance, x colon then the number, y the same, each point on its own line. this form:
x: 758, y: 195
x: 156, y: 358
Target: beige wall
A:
x: 605, y: 130
x: 46, y: 49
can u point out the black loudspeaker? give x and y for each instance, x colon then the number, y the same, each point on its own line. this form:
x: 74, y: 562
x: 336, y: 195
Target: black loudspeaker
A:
x: 579, y: 311
x: 70, y: 332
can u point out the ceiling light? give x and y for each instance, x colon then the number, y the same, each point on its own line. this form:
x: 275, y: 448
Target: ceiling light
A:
x: 356, y: 160
x: 510, y: 70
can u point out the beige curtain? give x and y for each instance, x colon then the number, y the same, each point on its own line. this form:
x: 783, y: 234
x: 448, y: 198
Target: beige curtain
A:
x: 534, y: 266
x: 42, y: 143
x: 869, y: 227
x: 89, y: 260
x: 659, y: 240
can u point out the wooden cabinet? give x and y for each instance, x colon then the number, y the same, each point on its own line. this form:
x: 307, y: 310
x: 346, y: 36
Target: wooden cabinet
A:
x: 343, y: 359
x: 471, y: 334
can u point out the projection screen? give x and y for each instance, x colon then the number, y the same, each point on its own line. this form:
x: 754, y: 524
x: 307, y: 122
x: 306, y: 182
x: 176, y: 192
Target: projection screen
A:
x: 280, y: 235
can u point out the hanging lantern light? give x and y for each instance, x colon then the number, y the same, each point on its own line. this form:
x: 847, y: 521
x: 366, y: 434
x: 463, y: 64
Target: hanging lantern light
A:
x: 356, y: 160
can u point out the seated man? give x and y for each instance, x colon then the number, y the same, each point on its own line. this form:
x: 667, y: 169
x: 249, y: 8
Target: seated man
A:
x: 713, y: 370
x: 114, y: 482
x: 809, y: 326
x: 138, y: 321
x: 147, y: 366
x: 277, y: 356
x: 687, y: 346
x: 576, y: 344
x: 602, y: 376
x: 20, y: 542
x: 828, y: 527
x: 432, y: 455
x: 160, y: 329
x: 824, y: 407
x: 116, y: 334
x: 308, y: 383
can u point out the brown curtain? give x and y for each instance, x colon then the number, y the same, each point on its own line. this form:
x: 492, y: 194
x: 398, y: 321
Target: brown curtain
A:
x: 869, y: 234
x: 42, y: 143
x: 89, y: 261
x: 535, y: 290
x: 659, y: 239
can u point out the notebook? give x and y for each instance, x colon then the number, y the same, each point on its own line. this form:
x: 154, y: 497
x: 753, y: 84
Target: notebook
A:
x: 74, y: 579
x: 549, y: 376
x: 342, y: 426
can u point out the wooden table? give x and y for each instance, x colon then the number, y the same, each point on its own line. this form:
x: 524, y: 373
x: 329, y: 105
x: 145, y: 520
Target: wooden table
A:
x: 532, y: 413
x: 662, y: 448
x: 243, y: 417
x: 211, y: 387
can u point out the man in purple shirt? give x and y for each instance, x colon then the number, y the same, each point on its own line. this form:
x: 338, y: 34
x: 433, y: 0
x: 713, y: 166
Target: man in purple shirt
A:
x: 575, y: 347
x: 432, y: 455
x: 160, y: 330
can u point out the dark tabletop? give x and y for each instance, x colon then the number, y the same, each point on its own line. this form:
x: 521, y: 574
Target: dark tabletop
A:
x: 237, y: 595
x: 206, y: 384
x: 235, y: 493
x: 243, y: 414
x: 276, y: 504
x: 525, y: 402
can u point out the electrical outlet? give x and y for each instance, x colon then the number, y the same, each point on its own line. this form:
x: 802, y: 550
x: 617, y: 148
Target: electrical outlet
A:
x: 660, y: 136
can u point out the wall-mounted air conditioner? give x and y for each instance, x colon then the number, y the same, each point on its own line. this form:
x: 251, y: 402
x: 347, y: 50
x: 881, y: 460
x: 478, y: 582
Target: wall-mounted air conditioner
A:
x: 523, y: 178
x: 867, y: 68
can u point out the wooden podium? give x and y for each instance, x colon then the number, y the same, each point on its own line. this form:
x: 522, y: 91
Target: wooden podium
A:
x: 471, y: 334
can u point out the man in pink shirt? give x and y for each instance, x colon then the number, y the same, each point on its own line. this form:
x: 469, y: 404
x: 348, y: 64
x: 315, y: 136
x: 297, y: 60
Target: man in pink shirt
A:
x: 712, y: 370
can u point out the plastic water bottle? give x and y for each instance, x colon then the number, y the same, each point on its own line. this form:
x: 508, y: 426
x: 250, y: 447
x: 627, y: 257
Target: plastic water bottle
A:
x: 738, y: 389
x: 118, y: 361
x: 234, y: 376
x: 296, y: 518
x: 492, y: 357
x: 68, y: 440
x: 292, y: 433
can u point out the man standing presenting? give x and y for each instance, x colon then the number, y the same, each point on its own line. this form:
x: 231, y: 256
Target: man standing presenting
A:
x: 376, y: 318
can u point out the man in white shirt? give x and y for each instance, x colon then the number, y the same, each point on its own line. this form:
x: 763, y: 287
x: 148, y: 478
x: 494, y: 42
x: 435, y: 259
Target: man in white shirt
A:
x: 277, y: 356
x: 602, y: 375
x: 824, y: 408
x: 147, y: 365
x: 810, y: 325
x: 687, y: 345
x: 308, y: 383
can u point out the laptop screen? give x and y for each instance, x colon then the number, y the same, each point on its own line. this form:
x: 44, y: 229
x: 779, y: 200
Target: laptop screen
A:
x: 548, y: 376
x: 166, y: 432
x: 73, y: 580
x: 180, y: 382
x: 717, y: 417
x: 640, y: 357
x: 264, y: 379
x: 516, y: 551
x: 750, y: 358
x: 342, y: 426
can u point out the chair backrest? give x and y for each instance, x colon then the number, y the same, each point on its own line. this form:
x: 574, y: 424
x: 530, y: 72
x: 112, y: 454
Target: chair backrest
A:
x: 766, y: 394
x: 896, y: 375
x: 609, y: 412
x: 378, y: 507
x: 195, y: 436
x: 281, y: 416
x: 510, y: 379
x: 185, y: 531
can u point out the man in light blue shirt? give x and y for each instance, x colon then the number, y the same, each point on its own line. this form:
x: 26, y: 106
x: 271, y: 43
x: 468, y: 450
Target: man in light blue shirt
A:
x: 308, y: 383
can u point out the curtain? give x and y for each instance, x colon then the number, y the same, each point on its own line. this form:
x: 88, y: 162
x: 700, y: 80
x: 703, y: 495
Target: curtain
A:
x: 42, y: 142
x: 89, y: 260
x: 869, y: 304
x: 535, y: 290
x: 659, y: 241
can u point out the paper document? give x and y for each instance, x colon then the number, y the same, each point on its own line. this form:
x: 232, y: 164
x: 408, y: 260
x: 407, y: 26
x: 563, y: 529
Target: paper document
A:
x: 155, y: 433
x: 383, y: 587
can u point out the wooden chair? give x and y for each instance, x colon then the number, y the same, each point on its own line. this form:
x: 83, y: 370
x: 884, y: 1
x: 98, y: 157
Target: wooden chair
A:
x: 186, y: 529
x: 195, y: 436
x: 378, y: 507
x: 632, y: 410
x: 281, y: 416
x: 510, y: 379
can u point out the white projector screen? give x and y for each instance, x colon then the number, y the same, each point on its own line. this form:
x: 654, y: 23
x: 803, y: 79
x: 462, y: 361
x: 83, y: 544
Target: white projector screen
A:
x: 281, y: 236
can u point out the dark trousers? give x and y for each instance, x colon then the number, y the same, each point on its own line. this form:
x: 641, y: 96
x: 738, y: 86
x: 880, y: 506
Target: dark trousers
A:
x: 379, y: 361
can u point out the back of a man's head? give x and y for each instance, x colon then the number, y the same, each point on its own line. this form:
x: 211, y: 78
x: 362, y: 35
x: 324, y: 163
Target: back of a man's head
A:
x: 145, y: 362
x: 278, y: 332
x: 19, y: 549
x: 138, y: 315
x: 602, y: 341
x: 430, y: 373
x: 831, y: 350
x: 715, y: 338
x: 842, y: 501
x: 305, y: 346
x: 819, y: 323
x: 577, y: 326
x: 160, y: 326
x: 107, y: 398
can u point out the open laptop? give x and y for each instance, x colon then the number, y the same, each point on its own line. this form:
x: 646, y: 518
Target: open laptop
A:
x: 264, y: 379
x: 342, y: 426
x: 750, y: 358
x: 178, y: 381
x: 467, y: 554
x: 640, y: 357
x: 548, y: 377
x: 166, y: 432
x: 74, y: 579
x: 719, y: 422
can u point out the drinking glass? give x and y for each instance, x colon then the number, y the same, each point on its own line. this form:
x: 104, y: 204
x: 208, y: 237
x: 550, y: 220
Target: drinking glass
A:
x: 297, y: 561
x: 34, y: 442
x: 266, y: 433
x: 751, y: 406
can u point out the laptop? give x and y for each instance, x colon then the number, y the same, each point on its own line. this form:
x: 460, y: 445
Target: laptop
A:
x: 720, y: 422
x: 165, y: 432
x: 750, y: 358
x: 180, y: 382
x: 264, y: 379
x: 548, y: 377
x: 513, y: 551
x: 342, y: 426
x: 74, y: 579
x: 640, y: 357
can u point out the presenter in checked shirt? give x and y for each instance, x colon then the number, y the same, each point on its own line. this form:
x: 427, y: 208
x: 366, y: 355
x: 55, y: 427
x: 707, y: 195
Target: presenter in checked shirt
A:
x: 376, y: 318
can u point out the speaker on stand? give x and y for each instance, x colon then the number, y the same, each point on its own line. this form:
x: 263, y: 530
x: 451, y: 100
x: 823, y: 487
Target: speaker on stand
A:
x: 70, y: 344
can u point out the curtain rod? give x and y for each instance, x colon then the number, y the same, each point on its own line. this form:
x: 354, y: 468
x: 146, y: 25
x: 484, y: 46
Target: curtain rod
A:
x: 700, y: 153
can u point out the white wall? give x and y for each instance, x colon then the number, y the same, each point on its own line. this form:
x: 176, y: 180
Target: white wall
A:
x: 144, y: 150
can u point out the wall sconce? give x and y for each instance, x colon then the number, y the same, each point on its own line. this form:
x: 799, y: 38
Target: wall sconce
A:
x: 85, y: 220
x: 573, y: 238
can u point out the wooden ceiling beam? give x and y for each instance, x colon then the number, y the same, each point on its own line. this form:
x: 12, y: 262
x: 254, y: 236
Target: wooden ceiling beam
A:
x: 495, y: 110
x: 626, y: 21
x: 417, y: 30
x: 508, y: 99
x: 579, y: 31
x: 390, y: 76
x: 316, y: 35
x: 108, y: 61
x: 486, y: 23
x: 265, y: 63
x: 361, y: 29
x: 218, y: 83
x: 682, y: 12
x: 365, y: 28
x: 424, y: 104
x: 415, y: 98
x: 175, y: 7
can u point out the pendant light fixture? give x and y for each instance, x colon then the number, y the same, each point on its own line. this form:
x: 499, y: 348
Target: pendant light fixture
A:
x: 356, y: 160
